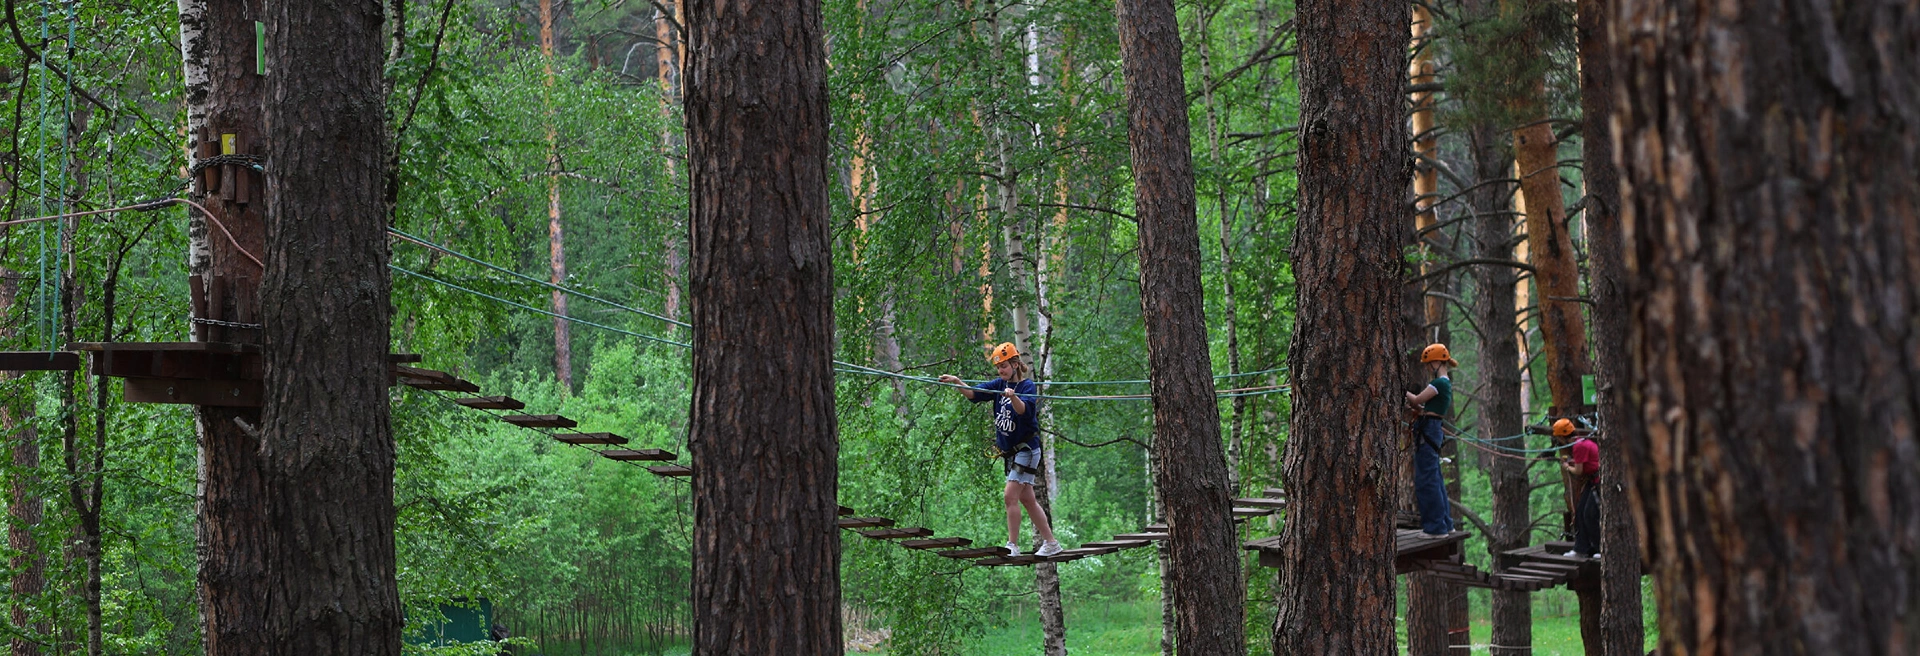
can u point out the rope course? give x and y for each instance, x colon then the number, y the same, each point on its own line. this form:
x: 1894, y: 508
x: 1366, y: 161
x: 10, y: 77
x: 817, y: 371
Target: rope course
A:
x: 840, y: 366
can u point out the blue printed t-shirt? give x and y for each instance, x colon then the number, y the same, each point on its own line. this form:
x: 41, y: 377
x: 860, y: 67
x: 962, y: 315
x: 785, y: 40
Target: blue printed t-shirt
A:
x: 1011, y: 430
x: 1441, y: 403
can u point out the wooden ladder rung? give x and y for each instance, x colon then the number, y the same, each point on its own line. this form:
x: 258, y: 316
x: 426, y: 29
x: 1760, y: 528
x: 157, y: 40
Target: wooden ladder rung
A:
x: 865, y: 522
x: 491, y: 403
x: 897, y: 533
x: 976, y: 552
x: 540, y: 421
x: 936, y: 543
x: 597, y: 438
x: 630, y: 455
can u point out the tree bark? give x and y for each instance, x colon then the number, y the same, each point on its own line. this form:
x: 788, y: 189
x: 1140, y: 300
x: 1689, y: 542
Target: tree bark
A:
x: 1620, y: 626
x: 1337, y: 587
x: 763, y: 431
x: 224, y: 94
x: 324, y: 431
x: 1205, y: 581
x: 1500, y: 412
x: 1771, y: 177
x: 556, y: 237
x: 1428, y: 599
x: 25, y: 507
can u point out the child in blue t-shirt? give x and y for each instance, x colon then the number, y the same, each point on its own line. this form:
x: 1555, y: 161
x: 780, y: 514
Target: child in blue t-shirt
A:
x: 1016, y: 428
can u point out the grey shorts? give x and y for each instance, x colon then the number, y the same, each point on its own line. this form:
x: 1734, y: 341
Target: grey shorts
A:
x: 1027, y: 457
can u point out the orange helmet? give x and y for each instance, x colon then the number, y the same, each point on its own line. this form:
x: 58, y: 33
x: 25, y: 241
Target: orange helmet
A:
x: 1002, y: 353
x: 1562, y: 427
x: 1437, y: 353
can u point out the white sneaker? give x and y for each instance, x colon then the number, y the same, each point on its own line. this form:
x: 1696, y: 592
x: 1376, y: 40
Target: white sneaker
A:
x: 1571, y: 554
x: 1013, y: 550
x: 1048, y: 548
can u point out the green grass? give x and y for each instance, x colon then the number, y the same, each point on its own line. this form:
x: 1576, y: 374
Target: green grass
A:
x: 1093, y: 629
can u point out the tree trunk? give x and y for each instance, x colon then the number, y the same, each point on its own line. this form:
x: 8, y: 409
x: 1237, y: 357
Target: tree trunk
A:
x: 1620, y: 626
x: 556, y: 238
x: 25, y: 507
x: 1336, y: 581
x: 1206, y: 584
x: 1772, y: 186
x: 1427, y: 597
x: 763, y: 430
x: 1499, y: 377
x: 224, y: 95
x: 325, y: 432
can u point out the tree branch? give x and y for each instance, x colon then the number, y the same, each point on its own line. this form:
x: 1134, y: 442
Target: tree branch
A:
x: 1493, y: 261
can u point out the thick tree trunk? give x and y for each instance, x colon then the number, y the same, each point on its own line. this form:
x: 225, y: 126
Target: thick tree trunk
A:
x: 763, y: 431
x: 1771, y: 177
x: 1499, y: 377
x: 1620, y: 626
x: 324, y: 429
x: 25, y: 507
x: 224, y: 95
x: 1205, y: 581
x: 1337, y: 592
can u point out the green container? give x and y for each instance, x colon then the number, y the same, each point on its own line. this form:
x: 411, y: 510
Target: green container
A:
x: 465, y: 623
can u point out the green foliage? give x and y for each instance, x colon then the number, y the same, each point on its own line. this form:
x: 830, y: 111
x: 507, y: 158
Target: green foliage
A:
x: 1500, y: 58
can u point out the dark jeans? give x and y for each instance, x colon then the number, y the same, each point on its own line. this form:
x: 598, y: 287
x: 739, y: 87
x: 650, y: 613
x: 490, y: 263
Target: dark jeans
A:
x: 1429, y: 486
x: 1586, y: 520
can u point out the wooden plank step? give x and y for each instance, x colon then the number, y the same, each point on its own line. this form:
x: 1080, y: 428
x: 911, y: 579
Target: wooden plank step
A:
x: 1140, y: 536
x: 1540, y: 573
x: 897, y: 533
x: 602, y: 438
x: 540, y: 421
x: 1022, y: 559
x: 491, y: 403
x: 1245, y: 512
x: 1117, y: 544
x: 671, y: 471
x: 1083, y: 552
x: 1269, y: 543
x: 1551, y: 565
x: 936, y: 543
x: 976, y: 552
x: 39, y: 361
x: 1260, y: 502
x: 631, y: 455
x: 865, y: 522
x: 1155, y: 528
x: 428, y: 379
x: 846, y: 512
x: 1274, y: 493
x: 403, y: 357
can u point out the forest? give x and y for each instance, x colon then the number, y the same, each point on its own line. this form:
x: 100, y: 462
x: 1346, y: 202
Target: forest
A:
x: 575, y: 327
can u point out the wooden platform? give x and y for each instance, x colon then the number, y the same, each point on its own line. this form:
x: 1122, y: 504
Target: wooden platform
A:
x: 671, y: 471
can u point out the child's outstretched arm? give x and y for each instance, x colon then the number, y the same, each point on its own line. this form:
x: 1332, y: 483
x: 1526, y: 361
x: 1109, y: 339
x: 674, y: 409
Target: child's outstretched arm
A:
x: 951, y: 379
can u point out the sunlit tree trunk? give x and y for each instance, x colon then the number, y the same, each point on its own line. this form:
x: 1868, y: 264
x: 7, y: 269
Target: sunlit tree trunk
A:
x: 1770, y: 178
x: 763, y: 430
x: 1336, y: 578
x: 326, y: 438
x: 556, y: 236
